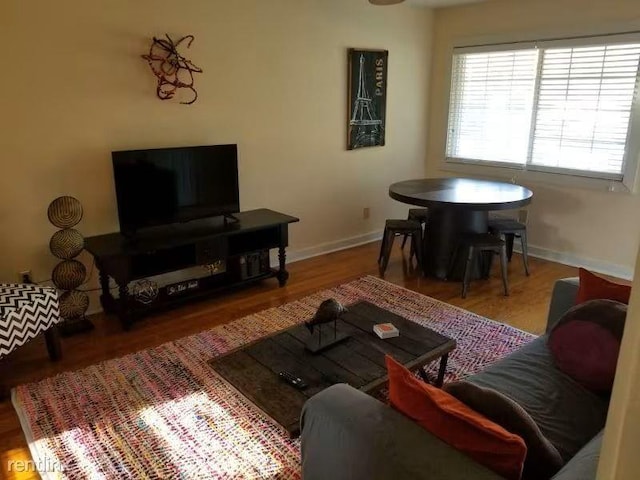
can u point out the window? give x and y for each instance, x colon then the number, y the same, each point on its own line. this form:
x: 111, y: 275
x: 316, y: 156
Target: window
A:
x: 557, y: 106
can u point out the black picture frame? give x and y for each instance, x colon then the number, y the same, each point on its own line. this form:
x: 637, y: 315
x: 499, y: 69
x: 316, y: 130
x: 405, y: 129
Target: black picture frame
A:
x: 367, y: 98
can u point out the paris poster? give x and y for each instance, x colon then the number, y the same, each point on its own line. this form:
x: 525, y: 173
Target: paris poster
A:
x: 367, y: 98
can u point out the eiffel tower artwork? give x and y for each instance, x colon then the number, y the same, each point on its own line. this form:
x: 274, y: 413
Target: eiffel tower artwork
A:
x: 367, y: 98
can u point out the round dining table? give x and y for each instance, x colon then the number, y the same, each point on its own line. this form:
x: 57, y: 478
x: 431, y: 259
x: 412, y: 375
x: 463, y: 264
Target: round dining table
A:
x: 456, y: 206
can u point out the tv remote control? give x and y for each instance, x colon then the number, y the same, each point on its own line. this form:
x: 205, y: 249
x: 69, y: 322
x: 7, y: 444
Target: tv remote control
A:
x: 292, y: 380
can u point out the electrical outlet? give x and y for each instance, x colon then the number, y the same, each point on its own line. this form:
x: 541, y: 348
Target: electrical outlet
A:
x: 25, y: 276
x: 366, y: 213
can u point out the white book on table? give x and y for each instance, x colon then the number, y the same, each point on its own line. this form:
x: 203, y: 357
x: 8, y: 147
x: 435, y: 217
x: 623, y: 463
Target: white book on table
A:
x: 386, y: 330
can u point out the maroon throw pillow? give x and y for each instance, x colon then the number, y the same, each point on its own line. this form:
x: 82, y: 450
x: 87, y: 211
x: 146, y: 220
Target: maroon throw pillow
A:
x: 585, y: 343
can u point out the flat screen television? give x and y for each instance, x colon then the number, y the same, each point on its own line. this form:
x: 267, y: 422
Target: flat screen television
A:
x: 175, y: 185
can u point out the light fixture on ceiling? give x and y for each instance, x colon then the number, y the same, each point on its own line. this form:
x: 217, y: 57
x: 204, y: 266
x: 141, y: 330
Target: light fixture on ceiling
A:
x: 385, y: 2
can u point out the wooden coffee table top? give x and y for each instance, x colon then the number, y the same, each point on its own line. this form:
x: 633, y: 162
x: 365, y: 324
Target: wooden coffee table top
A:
x: 359, y: 361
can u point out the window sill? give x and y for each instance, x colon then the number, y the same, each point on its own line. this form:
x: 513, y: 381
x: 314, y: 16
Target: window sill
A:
x: 516, y: 174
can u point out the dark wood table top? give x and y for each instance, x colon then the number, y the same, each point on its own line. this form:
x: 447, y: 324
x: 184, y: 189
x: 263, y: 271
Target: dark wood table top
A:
x: 465, y: 193
x: 358, y: 361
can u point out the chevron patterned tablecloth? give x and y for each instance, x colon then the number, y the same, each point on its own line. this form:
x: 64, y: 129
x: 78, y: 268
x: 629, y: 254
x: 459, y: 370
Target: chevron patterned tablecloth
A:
x: 25, y: 311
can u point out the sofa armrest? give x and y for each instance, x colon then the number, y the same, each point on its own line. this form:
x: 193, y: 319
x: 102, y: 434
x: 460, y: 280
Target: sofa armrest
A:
x: 347, y: 434
x: 562, y: 299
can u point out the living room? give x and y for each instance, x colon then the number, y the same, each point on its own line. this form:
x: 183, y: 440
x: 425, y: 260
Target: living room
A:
x: 274, y: 82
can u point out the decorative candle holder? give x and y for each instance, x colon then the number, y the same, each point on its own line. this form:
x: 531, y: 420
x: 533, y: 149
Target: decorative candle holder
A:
x: 66, y: 244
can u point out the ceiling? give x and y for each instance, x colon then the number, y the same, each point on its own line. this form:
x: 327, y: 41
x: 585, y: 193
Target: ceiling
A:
x: 440, y: 3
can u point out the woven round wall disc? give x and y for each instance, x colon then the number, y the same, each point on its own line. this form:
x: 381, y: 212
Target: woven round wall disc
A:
x: 66, y: 244
x: 73, y: 304
x: 68, y: 274
x: 65, y: 212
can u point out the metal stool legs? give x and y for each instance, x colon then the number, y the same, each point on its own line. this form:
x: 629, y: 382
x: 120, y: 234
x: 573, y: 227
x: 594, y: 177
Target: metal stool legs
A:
x: 508, y: 239
x: 525, y: 251
x: 387, y: 244
x: 404, y: 241
x: 471, y: 252
x: 400, y: 227
x: 511, y: 229
x: 503, y: 269
x: 467, y: 271
x: 382, y: 245
x: 417, y: 214
x: 416, y: 248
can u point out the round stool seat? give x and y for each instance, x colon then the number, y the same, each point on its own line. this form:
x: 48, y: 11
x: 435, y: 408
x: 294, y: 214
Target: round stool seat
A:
x: 506, y: 225
x: 399, y: 225
x: 419, y: 214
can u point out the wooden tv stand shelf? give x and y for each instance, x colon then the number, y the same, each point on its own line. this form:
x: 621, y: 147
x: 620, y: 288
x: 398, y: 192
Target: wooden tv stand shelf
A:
x: 239, y: 251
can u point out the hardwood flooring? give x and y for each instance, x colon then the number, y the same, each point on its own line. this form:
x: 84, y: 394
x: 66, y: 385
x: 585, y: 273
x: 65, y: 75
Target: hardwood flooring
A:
x: 525, y: 308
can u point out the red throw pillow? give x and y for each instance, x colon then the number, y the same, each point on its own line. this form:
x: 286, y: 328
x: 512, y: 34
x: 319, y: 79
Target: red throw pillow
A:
x: 593, y: 287
x: 454, y: 423
x: 543, y: 460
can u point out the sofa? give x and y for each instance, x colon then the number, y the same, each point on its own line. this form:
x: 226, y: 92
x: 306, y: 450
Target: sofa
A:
x: 346, y: 434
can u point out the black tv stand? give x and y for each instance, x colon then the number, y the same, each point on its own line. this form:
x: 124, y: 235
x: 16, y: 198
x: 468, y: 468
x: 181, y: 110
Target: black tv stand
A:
x: 230, y: 218
x: 225, y: 254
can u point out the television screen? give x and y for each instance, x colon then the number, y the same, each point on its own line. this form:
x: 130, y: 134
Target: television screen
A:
x: 172, y: 185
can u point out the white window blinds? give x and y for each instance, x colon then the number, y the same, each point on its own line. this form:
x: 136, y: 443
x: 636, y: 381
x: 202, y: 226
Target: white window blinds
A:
x: 584, y: 107
x: 558, y: 106
x: 491, y: 102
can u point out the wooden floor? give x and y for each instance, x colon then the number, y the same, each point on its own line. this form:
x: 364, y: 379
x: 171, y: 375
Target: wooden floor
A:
x: 525, y: 308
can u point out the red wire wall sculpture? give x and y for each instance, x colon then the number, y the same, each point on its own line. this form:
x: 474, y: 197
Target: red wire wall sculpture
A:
x: 172, y: 69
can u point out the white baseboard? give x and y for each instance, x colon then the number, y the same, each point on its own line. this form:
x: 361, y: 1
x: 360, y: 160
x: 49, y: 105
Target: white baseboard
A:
x: 592, y: 264
x: 328, y: 247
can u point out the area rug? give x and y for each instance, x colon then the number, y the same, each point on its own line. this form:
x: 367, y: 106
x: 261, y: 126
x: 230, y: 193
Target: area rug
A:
x: 164, y: 413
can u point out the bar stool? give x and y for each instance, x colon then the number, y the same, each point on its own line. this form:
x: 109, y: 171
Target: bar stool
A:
x: 474, y: 243
x: 511, y: 228
x: 419, y: 214
x: 392, y: 228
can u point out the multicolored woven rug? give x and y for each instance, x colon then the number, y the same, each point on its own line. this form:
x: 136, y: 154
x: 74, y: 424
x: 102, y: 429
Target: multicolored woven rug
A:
x: 164, y: 413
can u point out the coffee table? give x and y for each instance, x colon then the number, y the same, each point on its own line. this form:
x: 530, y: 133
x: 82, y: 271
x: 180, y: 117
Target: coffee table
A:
x: 359, y: 361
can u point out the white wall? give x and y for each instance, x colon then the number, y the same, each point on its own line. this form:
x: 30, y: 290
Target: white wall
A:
x: 74, y: 88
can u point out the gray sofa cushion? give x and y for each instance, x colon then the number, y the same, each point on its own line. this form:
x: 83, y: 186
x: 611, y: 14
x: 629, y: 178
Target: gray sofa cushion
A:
x: 568, y: 414
x: 585, y: 463
x: 562, y: 299
x: 543, y: 460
